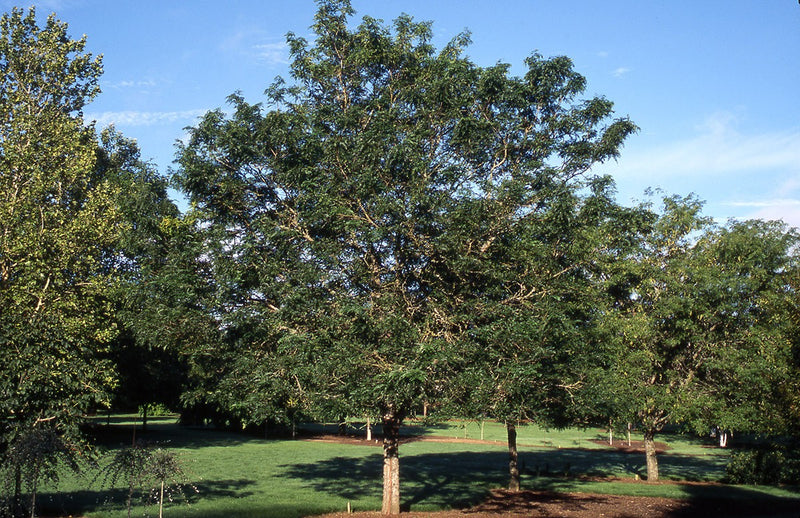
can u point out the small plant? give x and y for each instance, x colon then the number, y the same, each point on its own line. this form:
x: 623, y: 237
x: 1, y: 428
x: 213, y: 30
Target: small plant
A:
x: 156, y: 472
x: 36, y: 456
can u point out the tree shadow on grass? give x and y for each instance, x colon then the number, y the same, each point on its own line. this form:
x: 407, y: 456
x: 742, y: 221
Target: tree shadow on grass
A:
x: 82, y: 501
x: 463, y: 479
x: 167, y: 432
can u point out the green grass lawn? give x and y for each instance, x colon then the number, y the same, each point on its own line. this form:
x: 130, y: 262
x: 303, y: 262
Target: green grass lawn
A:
x: 243, y: 476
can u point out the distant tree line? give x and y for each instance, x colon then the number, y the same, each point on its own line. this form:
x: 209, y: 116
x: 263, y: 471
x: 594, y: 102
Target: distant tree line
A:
x: 395, y: 228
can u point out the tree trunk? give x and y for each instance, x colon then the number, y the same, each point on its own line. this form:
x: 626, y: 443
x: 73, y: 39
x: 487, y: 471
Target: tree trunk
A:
x: 369, y: 429
x: 723, y: 439
x: 629, y: 434
x: 391, y: 464
x: 610, y: 432
x: 650, y: 455
x: 144, y: 417
x: 17, y: 500
x: 513, y: 457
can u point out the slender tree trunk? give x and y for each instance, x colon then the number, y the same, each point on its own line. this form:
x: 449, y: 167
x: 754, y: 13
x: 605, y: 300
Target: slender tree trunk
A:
x: 161, y: 501
x: 33, y: 502
x: 513, y: 457
x: 17, y: 501
x: 391, y: 464
x: 369, y: 430
x: 723, y: 439
x: 144, y: 417
x: 610, y: 433
x: 629, y: 435
x: 650, y: 455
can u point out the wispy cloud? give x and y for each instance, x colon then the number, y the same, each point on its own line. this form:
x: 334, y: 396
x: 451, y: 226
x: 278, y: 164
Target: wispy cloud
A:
x: 765, y: 203
x: 717, y: 149
x: 138, y: 83
x: 272, y: 53
x: 257, y: 46
x: 141, y: 118
x: 621, y: 71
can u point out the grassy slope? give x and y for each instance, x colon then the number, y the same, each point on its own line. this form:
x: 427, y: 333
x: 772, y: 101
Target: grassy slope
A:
x: 241, y: 476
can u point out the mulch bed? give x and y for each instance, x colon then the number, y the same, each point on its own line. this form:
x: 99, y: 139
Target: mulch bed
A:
x: 545, y: 504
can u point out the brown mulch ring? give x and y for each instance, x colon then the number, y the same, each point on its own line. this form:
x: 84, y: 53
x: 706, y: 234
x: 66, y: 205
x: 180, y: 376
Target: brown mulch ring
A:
x: 546, y: 504
x: 633, y: 447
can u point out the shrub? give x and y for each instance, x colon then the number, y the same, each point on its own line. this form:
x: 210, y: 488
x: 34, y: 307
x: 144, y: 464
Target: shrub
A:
x: 764, y: 467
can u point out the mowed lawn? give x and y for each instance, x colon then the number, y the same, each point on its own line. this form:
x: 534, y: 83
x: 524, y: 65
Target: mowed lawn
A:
x: 238, y: 475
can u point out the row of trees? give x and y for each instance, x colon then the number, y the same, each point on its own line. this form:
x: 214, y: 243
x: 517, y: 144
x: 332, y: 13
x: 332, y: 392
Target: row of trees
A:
x: 396, y: 228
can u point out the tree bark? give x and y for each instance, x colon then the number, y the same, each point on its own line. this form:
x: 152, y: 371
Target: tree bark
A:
x: 513, y: 457
x: 369, y: 430
x: 391, y: 464
x: 17, y: 500
x: 650, y: 455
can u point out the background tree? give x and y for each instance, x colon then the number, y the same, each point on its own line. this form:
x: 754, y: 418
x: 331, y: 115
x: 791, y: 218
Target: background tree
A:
x: 696, y: 309
x: 340, y: 221
x: 151, y: 368
x: 532, y: 328
x: 58, y: 226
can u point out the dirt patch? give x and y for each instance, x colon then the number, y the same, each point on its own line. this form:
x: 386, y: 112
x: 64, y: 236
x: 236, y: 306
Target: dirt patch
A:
x: 633, y: 447
x: 545, y: 504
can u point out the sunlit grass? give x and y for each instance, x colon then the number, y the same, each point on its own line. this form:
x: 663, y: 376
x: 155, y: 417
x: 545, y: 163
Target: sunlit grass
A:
x: 242, y: 476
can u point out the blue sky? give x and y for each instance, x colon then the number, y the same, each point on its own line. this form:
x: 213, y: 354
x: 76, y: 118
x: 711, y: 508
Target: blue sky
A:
x: 714, y: 85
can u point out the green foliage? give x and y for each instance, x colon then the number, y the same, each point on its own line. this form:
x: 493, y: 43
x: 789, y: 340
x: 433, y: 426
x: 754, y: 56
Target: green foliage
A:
x: 379, y: 207
x: 698, y: 324
x: 58, y: 229
x: 768, y: 466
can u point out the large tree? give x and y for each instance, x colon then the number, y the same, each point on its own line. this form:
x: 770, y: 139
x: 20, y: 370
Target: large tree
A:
x: 344, y: 221
x: 58, y: 224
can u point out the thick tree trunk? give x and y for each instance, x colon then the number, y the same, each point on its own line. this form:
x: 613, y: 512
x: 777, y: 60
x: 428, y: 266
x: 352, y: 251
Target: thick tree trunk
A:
x: 650, y: 455
x: 391, y: 464
x: 513, y: 457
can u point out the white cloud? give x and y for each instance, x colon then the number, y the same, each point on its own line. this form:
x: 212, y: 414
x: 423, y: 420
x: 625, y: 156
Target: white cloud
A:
x: 139, y: 118
x: 718, y: 149
x: 255, y: 45
x: 272, y: 53
x: 621, y: 71
x: 788, y: 213
x: 765, y: 203
x: 140, y: 83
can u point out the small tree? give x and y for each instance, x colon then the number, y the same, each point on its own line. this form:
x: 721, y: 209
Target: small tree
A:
x: 155, y: 471
x: 36, y: 456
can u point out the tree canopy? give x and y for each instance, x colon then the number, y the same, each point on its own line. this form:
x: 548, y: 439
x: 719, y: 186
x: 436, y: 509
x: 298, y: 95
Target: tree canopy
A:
x: 347, y: 220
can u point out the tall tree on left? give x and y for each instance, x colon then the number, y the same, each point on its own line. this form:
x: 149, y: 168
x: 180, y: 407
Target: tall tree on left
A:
x: 58, y: 228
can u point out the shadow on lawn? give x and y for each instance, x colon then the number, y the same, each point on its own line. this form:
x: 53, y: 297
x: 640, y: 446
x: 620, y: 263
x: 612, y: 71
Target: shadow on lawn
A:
x: 83, y: 501
x: 462, y: 479
x: 168, y: 433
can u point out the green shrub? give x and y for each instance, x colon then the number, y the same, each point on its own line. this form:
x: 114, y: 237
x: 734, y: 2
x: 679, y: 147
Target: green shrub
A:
x: 764, y: 467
